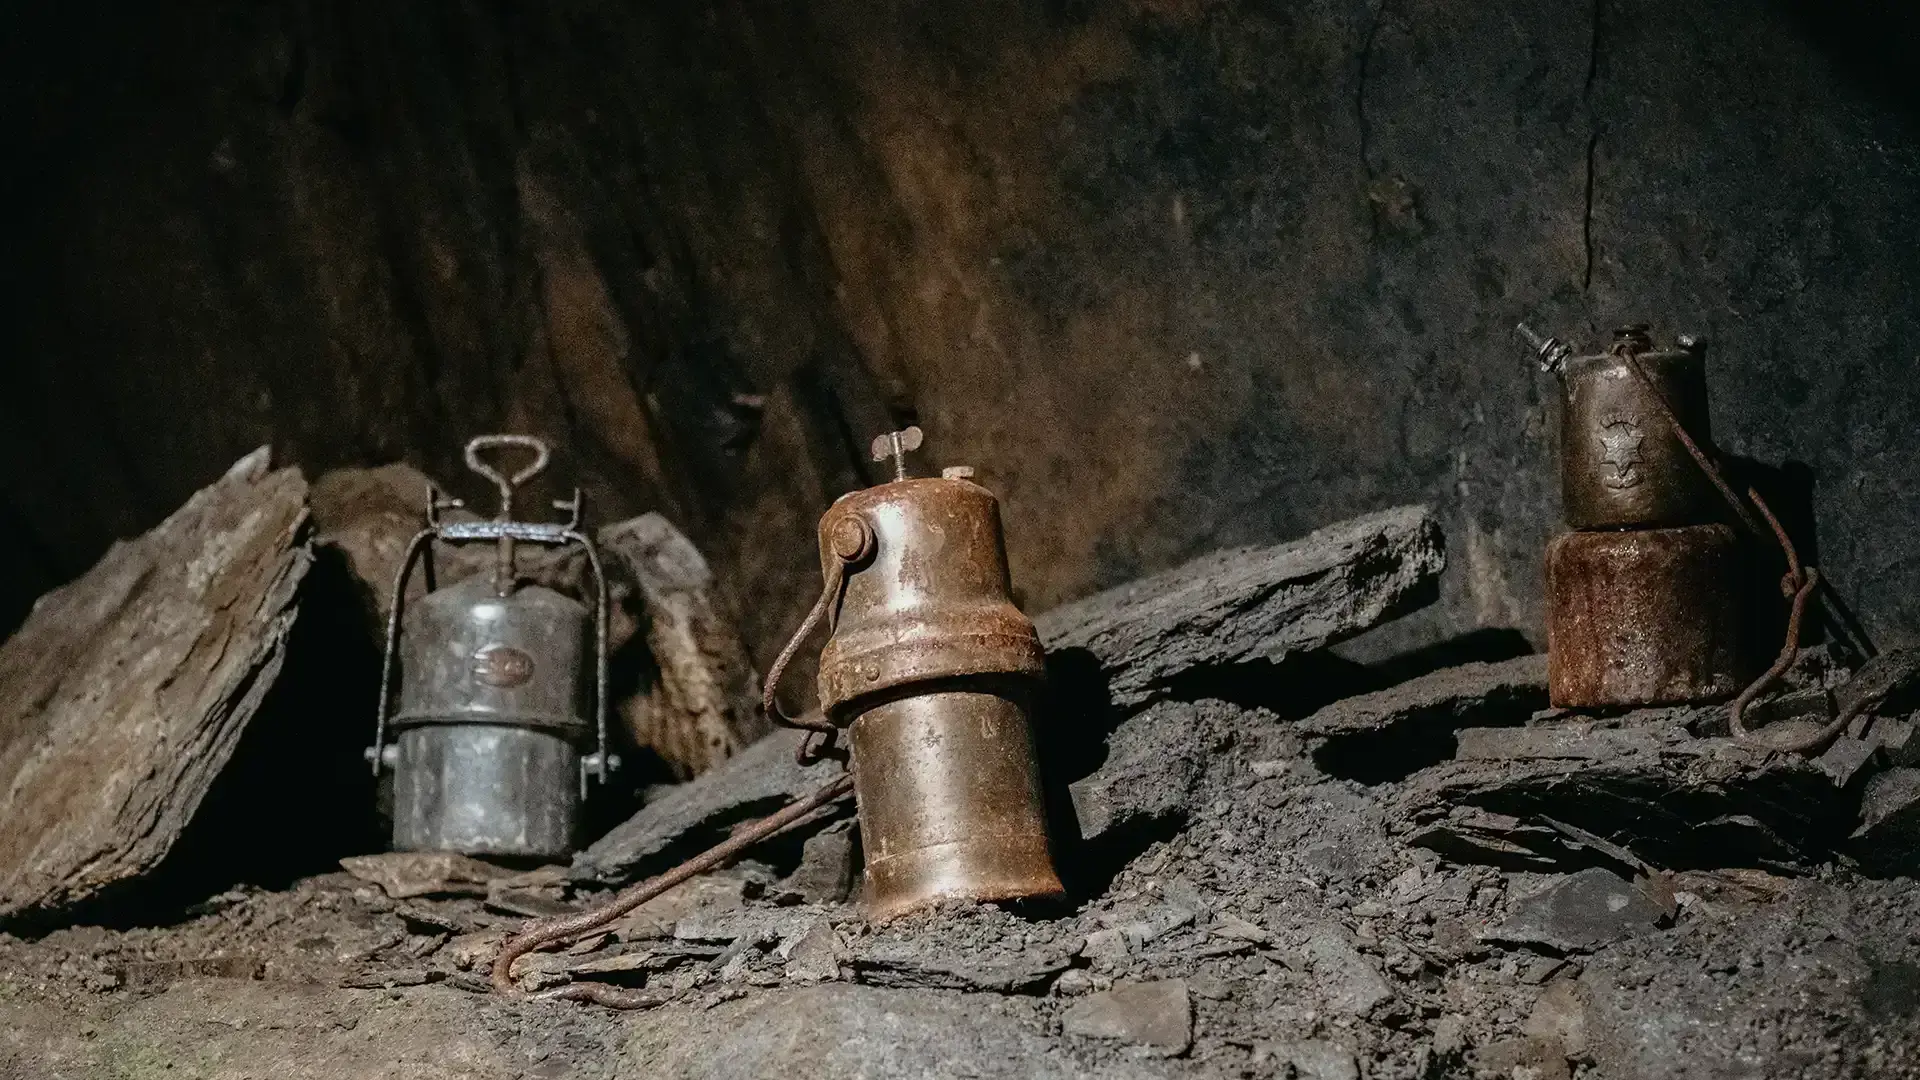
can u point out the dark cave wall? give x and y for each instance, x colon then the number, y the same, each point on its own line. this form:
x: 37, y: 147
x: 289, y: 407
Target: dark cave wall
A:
x: 1172, y: 274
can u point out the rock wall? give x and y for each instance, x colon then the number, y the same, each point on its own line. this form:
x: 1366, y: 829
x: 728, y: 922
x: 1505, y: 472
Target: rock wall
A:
x: 1173, y: 274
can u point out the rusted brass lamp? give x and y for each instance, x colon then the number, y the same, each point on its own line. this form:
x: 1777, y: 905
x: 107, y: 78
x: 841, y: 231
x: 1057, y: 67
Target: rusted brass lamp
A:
x: 932, y: 670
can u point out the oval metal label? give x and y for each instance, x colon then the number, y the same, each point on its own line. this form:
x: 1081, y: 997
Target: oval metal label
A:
x: 502, y: 665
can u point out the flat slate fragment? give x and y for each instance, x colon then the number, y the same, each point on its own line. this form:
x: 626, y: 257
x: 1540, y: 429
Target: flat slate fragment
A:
x: 1643, y: 783
x: 1580, y: 913
x: 1152, y: 770
x: 1469, y: 695
x: 126, y: 691
x: 1157, y: 1015
x: 406, y: 874
x: 1252, y: 604
x: 1888, y: 839
x: 759, y: 780
x: 917, y: 966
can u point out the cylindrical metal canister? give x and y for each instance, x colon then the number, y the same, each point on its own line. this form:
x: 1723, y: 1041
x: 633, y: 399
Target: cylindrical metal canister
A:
x: 490, y: 722
x: 1621, y: 465
x: 485, y: 789
x: 1643, y: 617
x: 933, y: 668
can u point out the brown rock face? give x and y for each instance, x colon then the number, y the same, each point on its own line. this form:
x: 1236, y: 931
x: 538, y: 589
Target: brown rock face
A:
x: 126, y: 691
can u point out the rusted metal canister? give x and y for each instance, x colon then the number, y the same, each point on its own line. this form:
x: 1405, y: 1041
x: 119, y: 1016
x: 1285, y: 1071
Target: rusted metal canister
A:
x: 1621, y: 465
x: 934, y: 670
x: 1643, y: 617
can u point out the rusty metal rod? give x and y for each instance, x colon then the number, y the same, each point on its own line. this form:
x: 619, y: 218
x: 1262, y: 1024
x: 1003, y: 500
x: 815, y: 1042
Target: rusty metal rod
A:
x: 1699, y: 456
x: 1798, y: 583
x: 551, y: 931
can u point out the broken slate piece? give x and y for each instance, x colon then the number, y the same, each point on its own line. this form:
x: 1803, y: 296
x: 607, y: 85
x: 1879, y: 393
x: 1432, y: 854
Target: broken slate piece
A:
x: 1846, y: 757
x: 1888, y: 839
x: 123, y: 695
x: 1897, y: 741
x: 1578, y: 739
x: 1151, y: 771
x: 405, y: 874
x: 828, y: 868
x: 1645, y: 784
x: 1469, y: 695
x: 1580, y: 913
x: 705, y: 705
x: 1890, y: 682
x: 1561, y: 1015
x: 1106, y: 949
x: 421, y: 921
x: 388, y: 980
x: 527, y: 903
x: 1252, y: 604
x: 1317, y: 1060
x: 1809, y: 706
x: 1346, y: 979
x: 620, y: 963
x: 692, y: 816
x: 751, y: 923
x: 1529, y: 1056
x: 1155, y: 923
x: 1471, y: 835
x: 925, y: 965
x: 1228, y: 925
x: 812, y: 955
x: 1157, y: 1015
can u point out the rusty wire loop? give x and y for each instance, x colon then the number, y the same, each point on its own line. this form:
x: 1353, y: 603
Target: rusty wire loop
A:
x: 849, y: 541
x: 1797, y: 584
x: 770, y: 692
x: 540, y: 933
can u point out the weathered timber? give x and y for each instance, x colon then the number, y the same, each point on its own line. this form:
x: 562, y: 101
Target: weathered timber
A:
x: 125, y: 692
x: 1252, y: 604
x: 704, y: 707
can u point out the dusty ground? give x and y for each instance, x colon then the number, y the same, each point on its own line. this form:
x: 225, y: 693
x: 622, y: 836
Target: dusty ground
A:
x: 1285, y: 928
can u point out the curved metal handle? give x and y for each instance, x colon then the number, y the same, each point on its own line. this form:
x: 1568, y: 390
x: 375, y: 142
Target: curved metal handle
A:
x: 503, y: 570
x: 850, y: 540
x: 506, y: 484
